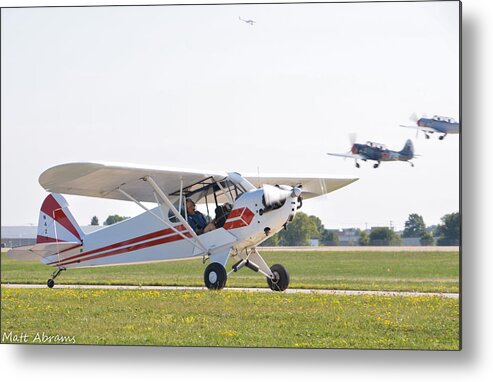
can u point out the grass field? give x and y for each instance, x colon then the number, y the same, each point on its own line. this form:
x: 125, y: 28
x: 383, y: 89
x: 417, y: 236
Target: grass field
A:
x: 243, y: 319
x: 394, y: 271
x: 229, y: 318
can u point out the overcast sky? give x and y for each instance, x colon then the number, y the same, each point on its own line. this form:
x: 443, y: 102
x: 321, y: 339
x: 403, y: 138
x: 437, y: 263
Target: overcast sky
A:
x: 195, y: 87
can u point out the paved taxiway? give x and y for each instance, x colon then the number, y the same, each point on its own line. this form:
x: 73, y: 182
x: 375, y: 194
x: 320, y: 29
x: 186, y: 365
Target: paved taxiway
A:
x: 322, y: 291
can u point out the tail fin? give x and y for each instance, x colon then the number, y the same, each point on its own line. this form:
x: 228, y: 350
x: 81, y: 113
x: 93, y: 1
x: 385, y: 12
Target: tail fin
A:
x: 408, y: 149
x: 56, y: 223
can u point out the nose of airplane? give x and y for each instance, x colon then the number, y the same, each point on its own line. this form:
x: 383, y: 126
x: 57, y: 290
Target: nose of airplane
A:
x: 274, y: 195
x: 296, y: 192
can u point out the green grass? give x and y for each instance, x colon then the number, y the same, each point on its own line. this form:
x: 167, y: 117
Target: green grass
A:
x: 231, y: 318
x: 399, y: 271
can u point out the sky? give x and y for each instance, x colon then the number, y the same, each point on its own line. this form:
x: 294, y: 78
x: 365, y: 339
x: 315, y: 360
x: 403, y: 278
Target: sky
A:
x: 195, y: 87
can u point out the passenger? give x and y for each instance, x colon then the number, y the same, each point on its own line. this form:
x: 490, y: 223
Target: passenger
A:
x: 197, y: 220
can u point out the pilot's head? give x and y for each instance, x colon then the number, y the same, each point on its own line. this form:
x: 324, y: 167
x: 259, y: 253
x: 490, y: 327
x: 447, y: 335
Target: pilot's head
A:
x: 190, y: 206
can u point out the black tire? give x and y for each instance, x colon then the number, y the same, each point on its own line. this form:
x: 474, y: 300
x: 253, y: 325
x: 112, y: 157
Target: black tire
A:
x: 281, y: 278
x: 215, y: 276
x: 50, y: 283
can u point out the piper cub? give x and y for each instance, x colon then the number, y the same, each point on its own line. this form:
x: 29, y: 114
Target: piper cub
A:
x: 248, y: 210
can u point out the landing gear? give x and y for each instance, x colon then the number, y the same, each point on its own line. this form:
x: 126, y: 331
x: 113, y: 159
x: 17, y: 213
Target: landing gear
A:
x: 427, y: 136
x: 277, y: 276
x: 280, y: 279
x: 442, y: 136
x: 376, y: 165
x: 412, y: 164
x: 215, y: 276
x: 51, y: 282
x: 357, y: 165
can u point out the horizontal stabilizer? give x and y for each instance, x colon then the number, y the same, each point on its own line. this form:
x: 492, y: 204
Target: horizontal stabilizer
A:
x: 40, y: 251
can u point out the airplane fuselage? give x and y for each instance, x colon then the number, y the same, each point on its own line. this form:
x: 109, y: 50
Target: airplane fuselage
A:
x: 378, y: 154
x: 440, y: 126
x: 144, y: 238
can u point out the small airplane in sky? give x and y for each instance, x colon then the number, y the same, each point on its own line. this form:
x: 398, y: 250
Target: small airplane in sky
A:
x: 251, y: 22
x: 248, y: 210
x: 436, y: 124
x: 378, y: 152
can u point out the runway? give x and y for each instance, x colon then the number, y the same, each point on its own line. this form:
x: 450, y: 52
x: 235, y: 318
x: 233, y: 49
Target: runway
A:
x: 259, y: 290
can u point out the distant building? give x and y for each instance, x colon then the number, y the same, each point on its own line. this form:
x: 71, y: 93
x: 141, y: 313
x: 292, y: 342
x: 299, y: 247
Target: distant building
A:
x: 314, y: 243
x: 17, y: 236
x: 347, y: 236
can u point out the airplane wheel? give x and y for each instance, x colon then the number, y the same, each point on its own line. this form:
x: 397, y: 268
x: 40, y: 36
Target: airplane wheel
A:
x: 357, y: 165
x: 375, y: 165
x: 50, y: 283
x: 215, y: 276
x: 441, y: 138
x: 281, y: 278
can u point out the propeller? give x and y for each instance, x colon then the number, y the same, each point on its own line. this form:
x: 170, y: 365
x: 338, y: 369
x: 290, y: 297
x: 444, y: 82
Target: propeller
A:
x: 414, y: 118
x: 274, y: 195
x: 352, y: 138
x: 352, y: 141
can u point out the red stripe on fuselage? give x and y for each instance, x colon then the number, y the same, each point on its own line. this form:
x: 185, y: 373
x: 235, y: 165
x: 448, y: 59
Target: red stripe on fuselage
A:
x: 134, y: 240
x: 132, y: 248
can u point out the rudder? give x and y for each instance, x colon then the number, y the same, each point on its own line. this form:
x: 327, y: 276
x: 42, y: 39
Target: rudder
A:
x: 56, y: 223
x: 408, y: 149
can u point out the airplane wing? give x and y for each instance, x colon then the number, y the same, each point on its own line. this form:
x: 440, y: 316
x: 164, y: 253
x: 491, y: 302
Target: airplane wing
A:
x: 311, y: 185
x: 102, y: 180
x: 353, y: 156
x: 422, y: 128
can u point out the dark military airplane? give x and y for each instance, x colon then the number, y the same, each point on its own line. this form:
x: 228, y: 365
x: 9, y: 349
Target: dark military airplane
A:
x: 379, y: 153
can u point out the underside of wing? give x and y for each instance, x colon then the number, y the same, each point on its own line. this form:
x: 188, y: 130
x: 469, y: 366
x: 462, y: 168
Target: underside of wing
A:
x: 102, y: 180
x: 311, y: 185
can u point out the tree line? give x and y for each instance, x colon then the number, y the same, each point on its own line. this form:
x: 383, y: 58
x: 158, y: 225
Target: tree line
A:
x: 305, y: 228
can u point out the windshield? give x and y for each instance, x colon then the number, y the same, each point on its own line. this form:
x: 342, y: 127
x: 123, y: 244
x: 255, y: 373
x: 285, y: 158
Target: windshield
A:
x: 211, y: 192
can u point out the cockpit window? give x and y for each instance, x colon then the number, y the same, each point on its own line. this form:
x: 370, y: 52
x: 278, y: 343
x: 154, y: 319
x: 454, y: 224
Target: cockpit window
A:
x: 212, y: 193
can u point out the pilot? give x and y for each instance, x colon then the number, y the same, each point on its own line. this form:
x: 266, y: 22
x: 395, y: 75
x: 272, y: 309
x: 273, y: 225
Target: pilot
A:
x: 197, y: 220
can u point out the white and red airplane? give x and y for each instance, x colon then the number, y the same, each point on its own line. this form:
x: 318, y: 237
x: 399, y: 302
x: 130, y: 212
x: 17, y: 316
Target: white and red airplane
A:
x: 248, y: 211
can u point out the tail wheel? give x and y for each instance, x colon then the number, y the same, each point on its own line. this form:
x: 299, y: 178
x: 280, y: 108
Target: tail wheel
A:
x: 215, y: 276
x: 50, y: 283
x: 280, y: 281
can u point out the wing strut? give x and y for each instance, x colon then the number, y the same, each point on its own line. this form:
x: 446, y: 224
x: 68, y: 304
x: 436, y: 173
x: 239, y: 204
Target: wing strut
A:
x: 228, y: 195
x: 165, y: 199
x: 195, y: 244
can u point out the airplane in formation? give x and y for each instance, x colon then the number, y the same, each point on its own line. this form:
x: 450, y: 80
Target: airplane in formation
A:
x: 377, y: 152
x: 251, y: 22
x: 248, y: 210
x: 436, y: 124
